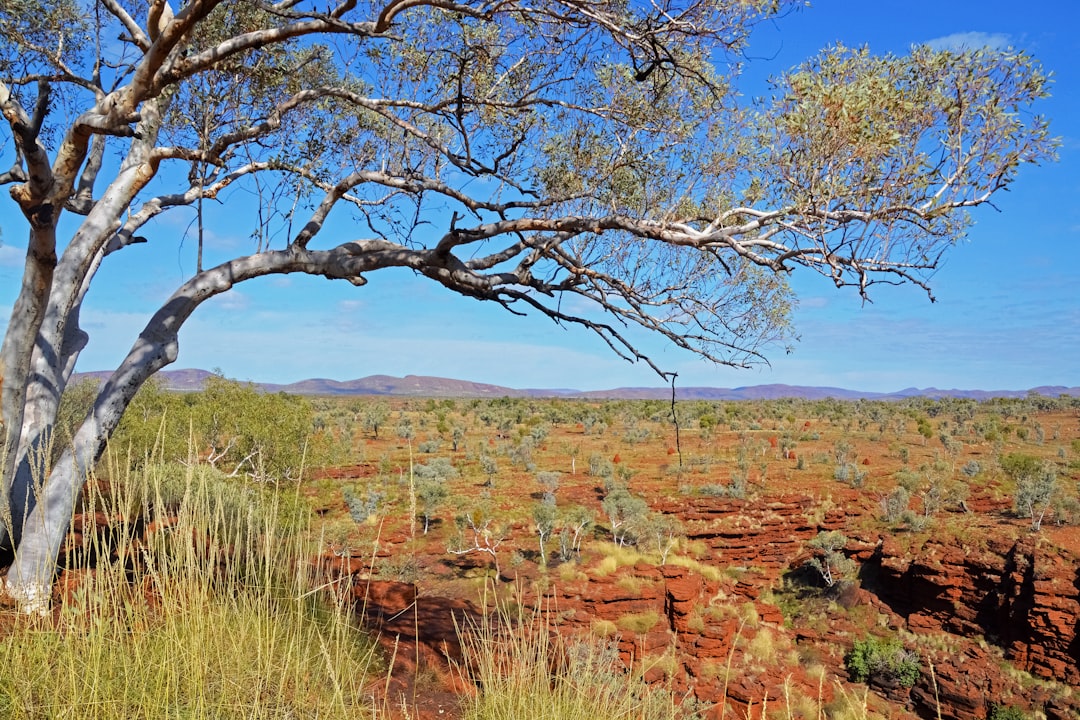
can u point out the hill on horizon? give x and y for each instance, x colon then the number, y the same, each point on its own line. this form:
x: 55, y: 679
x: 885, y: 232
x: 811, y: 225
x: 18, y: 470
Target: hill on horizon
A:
x: 189, y: 380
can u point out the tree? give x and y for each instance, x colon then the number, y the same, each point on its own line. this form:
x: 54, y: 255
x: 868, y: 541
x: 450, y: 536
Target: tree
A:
x: 624, y: 511
x: 828, y: 557
x: 373, y: 416
x: 526, y: 154
x: 544, y: 517
x: 1036, y: 485
x: 432, y: 493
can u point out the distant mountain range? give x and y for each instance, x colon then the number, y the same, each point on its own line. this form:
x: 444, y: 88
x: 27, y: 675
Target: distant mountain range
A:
x: 437, y: 387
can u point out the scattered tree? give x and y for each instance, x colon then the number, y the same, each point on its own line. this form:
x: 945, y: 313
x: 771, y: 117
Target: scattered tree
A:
x: 478, y: 532
x: 490, y: 468
x: 661, y: 532
x: 374, y: 416
x: 1036, y: 486
x: 829, y: 559
x: 624, y: 510
x: 544, y: 516
x: 550, y: 482
x: 575, y: 523
x: 432, y: 494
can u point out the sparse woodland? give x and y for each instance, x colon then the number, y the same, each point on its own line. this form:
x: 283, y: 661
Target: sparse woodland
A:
x: 516, y: 500
x: 594, y: 163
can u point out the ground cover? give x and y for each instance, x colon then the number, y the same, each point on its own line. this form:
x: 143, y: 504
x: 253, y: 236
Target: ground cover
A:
x: 733, y: 563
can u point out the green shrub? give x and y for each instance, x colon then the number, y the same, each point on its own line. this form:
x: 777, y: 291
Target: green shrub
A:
x: 1006, y: 712
x: 884, y: 659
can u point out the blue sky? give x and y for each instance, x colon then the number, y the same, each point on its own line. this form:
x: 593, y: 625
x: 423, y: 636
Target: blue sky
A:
x: 1007, y: 316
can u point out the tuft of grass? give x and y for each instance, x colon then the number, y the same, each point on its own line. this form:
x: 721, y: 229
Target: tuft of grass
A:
x: 641, y: 622
x: 526, y: 670
x: 213, y: 612
x: 709, y: 572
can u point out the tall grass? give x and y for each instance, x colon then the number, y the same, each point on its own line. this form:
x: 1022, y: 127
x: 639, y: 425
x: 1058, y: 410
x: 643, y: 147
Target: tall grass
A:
x: 192, y: 596
x: 524, y: 669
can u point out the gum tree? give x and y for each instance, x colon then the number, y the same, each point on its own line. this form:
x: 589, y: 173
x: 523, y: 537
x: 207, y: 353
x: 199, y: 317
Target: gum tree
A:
x: 524, y: 154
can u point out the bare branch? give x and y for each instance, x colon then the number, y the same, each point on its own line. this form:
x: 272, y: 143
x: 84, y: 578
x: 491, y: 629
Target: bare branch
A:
x: 134, y: 31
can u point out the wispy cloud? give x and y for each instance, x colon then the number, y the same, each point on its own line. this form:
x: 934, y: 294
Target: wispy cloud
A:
x: 232, y: 301
x: 11, y: 256
x: 971, y: 41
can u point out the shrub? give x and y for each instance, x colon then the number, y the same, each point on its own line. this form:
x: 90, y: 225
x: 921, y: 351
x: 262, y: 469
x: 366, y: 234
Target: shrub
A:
x: 895, y: 503
x: 363, y: 507
x: 600, y: 467
x: 1006, y: 712
x: 851, y: 474
x: 429, y: 446
x: 624, y: 512
x: 884, y: 660
x: 1036, y: 485
x: 828, y: 560
x: 439, y: 468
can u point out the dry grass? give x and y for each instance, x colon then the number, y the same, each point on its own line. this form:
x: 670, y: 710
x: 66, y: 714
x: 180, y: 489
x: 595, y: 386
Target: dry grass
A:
x: 211, y: 615
x: 525, y: 670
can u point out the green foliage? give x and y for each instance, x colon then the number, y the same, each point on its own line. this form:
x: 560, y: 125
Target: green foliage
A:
x: 544, y: 519
x: 883, y: 659
x: 1006, y: 712
x: 550, y: 482
x: 432, y: 494
x: 851, y: 474
x: 829, y: 560
x: 363, y: 505
x: 600, y: 467
x: 576, y: 522
x: 895, y: 504
x: 75, y: 403
x: 440, y: 468
x: 1036, y: 485
x: 924, y: 428
x: 229, y: 425
x: 623, y: 510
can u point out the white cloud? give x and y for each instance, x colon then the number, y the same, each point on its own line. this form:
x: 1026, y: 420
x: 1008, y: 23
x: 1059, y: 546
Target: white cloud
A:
x: 350, y: 306
x: 232, y: 301
x: 971, y: 41
x: 11, y: 256
x: 813, y: 301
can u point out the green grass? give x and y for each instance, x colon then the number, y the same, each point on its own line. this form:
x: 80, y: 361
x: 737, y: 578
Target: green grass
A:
x: 213, y: 614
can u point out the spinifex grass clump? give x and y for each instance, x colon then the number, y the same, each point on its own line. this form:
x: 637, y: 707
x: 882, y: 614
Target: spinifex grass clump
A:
x: 524, y: 669
x: 195, y: 599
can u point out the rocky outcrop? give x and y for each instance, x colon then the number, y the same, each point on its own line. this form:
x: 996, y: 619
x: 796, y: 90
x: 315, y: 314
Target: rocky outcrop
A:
x: 1020, y: 596
x: 975, y: 604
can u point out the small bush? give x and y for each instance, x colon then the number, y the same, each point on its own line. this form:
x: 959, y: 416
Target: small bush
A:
x: 439, y: 468
x: 884, y: 660
x: 1006, y: 712
x: 895, y: 504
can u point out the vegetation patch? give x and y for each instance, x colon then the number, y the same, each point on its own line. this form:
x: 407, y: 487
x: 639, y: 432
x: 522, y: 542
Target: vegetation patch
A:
x: 883, y: 660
